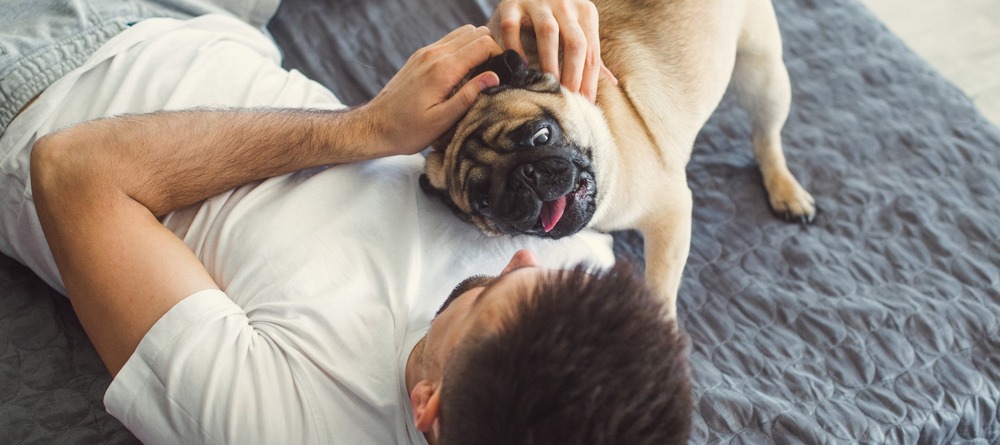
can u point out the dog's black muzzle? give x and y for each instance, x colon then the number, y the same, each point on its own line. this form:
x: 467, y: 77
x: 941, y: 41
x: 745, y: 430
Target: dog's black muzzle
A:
x: 550, y: 197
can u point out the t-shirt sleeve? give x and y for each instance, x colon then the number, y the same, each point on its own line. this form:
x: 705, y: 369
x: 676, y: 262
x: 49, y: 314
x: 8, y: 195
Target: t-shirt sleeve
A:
x: 204, y: 374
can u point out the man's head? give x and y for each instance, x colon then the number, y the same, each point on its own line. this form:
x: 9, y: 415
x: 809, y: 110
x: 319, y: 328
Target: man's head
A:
x: 546, y: 356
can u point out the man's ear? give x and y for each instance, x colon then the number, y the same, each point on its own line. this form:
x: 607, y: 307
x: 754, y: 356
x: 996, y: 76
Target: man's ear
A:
x: 425, y: 398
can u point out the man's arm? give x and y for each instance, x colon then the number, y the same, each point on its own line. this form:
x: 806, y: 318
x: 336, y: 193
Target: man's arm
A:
x: 99, y: 186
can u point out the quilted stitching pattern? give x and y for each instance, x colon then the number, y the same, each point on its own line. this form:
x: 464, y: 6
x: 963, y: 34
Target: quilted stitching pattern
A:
x: 880, y: 323
x: 877, y: 324
x: 52, y: 382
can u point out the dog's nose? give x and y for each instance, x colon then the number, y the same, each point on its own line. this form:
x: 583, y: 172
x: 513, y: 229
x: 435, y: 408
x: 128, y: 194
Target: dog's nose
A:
x: 528, y: 174
x: 546, y: 177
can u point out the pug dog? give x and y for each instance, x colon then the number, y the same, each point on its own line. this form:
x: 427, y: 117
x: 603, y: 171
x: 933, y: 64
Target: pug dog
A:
x: 532, y: 158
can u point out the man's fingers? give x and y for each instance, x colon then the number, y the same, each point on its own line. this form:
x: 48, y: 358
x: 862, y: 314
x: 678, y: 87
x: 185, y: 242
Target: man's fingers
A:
x: 479, y: 47
x: 547, y: 38
x: 593, y: 64
x: 447, y: 45
x: 453, y: 41
x: 461, y: 39
x: 574, y: 46
x: 588, y: 84
x: 569, y: 26
x: 575, y: 54
x: 464, y: 29
x: 444, y: 64
x: 510, y: 28
x: 451, y: 110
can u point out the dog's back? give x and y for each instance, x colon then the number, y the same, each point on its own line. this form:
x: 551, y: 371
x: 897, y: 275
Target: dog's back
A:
x: 674, y: 58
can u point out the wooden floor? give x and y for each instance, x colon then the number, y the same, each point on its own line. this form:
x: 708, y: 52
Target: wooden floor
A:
x: 959, y: 38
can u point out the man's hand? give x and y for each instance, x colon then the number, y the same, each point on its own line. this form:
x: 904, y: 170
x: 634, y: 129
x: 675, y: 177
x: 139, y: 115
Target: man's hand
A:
x: 573, y: 22
x: 417, y: 105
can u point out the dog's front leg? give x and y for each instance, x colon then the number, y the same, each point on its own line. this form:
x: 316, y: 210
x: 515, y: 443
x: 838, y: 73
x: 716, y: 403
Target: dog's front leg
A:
x: 667, y: 235
x: 760, y: 80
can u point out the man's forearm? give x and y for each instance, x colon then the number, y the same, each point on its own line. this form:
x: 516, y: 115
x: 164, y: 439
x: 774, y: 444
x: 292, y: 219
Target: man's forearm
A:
x: 168, y: 160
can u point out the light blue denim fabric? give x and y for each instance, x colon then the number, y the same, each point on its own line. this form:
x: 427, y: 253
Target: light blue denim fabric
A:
x: 42, y: 40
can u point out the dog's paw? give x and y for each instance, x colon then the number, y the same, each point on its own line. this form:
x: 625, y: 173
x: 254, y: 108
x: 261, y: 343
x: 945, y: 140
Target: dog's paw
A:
x: 790, y: 201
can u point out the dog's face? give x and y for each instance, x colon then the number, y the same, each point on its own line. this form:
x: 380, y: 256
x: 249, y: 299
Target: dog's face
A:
x: 522, y: 159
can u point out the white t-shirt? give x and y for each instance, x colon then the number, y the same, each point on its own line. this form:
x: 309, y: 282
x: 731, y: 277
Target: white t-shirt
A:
x: 329, y: 277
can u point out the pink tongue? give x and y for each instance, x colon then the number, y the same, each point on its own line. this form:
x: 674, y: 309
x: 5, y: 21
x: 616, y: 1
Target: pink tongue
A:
x: 552, y: 211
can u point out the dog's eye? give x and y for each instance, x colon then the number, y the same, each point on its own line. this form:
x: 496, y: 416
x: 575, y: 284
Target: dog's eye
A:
x: 541, y: 137
x: 480, y: 200
x: 481, y: 206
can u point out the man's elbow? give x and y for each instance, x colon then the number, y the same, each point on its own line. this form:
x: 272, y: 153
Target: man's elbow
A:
x: 63, y: 171
x: 51, y: 166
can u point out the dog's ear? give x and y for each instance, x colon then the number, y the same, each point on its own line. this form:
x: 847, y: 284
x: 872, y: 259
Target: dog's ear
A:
x: 514, y: 73
x: 508, y: 66
x: 429, y: 189
x: 434, y: 171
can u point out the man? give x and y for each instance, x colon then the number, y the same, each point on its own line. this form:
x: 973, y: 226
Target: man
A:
x: 267, y: 274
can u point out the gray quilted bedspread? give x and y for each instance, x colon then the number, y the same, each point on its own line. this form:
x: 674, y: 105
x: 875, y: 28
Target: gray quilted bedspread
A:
x: 880, y: 323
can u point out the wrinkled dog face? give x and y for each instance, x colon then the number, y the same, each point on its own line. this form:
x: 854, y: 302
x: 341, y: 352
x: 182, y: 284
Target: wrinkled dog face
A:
x: 520, y: 162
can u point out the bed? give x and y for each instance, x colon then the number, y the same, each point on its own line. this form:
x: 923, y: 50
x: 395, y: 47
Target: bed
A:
x: 879, y: 323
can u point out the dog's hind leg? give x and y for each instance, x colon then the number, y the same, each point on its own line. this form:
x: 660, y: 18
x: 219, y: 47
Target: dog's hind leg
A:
x: 761, y: 83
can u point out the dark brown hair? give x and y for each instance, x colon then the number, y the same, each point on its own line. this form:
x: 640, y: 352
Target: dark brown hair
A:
x: 589, y: 359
